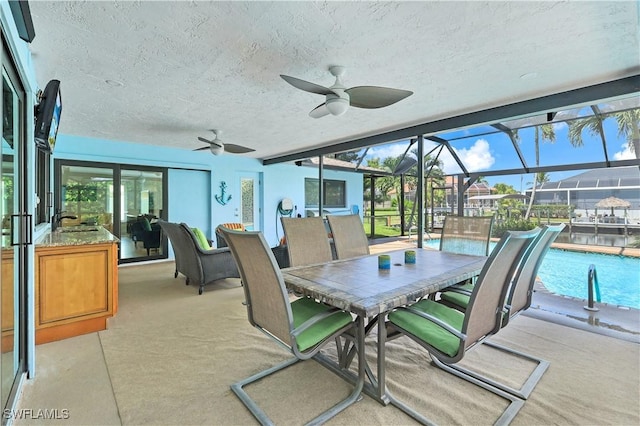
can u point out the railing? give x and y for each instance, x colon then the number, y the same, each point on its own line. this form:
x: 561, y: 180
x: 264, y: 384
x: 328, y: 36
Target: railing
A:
x: 593, y: 287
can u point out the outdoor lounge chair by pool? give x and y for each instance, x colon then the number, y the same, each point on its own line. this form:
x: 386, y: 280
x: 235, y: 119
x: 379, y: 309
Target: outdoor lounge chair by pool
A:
x: 303, y: 326
x: 447, y: 334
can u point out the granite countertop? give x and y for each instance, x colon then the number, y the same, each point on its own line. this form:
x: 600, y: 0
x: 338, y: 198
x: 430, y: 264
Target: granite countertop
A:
x: 76, y: 236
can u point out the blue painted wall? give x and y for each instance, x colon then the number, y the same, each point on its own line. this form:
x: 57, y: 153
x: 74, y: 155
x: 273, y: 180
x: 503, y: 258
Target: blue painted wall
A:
x: 278, y: 181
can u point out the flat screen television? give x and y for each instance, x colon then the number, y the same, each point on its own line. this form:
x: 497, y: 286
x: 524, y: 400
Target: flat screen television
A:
x: 48, y: 116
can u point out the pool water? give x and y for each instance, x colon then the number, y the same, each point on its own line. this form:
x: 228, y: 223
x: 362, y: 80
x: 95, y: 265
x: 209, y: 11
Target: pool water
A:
x: 566, y: 273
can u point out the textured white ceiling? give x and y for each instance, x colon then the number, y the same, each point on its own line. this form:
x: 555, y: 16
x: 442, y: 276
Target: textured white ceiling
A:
x: 186, y: 67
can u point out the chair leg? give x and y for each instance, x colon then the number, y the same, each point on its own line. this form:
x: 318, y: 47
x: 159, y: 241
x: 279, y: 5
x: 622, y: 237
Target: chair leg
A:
x: 527, y: 387
x: 175, y: 274
x: 237, y: 388
x: 515, y: 403
x: 262, y: 417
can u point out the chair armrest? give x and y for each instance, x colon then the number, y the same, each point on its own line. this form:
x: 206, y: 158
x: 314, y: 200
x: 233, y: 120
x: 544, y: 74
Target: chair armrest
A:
x: 456, y: 289
x: 213, y: 251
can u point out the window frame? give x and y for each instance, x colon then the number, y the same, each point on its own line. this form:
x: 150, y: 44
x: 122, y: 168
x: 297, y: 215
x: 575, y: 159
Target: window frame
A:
x: 340, y: 185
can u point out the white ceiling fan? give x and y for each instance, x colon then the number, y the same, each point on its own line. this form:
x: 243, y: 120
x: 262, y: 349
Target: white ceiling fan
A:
x: 338, y: 98
x: 217, y: 147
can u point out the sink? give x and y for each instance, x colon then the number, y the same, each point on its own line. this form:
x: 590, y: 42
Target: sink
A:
x: 77, y: 229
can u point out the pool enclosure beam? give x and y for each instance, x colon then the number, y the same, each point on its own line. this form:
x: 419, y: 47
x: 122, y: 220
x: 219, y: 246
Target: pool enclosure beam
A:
x: 585, y: 95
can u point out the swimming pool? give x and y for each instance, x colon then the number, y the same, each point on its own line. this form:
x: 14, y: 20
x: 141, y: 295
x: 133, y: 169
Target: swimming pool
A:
x: 566, y: 272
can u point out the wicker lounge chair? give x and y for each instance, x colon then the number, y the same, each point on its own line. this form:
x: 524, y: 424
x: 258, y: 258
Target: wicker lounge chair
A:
x: 200, y: 266
x: 447, y: 334
x: 303, y: 326
x: 220, y: 241
x: 348, y: 236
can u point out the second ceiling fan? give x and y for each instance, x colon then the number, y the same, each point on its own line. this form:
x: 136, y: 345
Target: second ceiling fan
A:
x: 217, y: 147
x: 338, y: 98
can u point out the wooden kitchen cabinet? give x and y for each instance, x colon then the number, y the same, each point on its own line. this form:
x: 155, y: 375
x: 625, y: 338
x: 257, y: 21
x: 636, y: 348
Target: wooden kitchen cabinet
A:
x: 76, y: 290
x: 76, y: 285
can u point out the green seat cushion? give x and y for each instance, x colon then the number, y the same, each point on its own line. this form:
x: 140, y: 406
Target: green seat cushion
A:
x: 428, y: 331
x: 455, y: 298
x: 305, y: 308
x: 458, y: 299
x: 201, y: 239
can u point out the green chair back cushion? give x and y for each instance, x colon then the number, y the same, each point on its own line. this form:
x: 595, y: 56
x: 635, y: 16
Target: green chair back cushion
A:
x: 201, y: 238
x: 145, y: 223
x: 305, y: 308
x: 428, y: 331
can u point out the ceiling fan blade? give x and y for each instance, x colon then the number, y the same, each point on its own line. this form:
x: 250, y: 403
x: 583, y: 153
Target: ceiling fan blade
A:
x: 202, y: 149
x: 307, y: 86
x: 375, y: 97
x: 237, y: 149
x: 203, y: 140
x: 319, y: 111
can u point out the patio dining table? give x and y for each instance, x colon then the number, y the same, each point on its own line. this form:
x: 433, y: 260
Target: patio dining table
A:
x: 358, y: 285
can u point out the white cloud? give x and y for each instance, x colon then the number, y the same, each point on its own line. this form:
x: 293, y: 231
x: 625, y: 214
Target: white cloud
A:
x: 559, y: 126
x: 477, y: 157
x: 625, y: 154
x: 384, y: 151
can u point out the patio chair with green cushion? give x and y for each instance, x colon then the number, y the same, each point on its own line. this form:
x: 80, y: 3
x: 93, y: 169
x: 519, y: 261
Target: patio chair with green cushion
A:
x: 195, y: 259
x: 447, y: 334
x: 518, y: 300
x: 466, y: 234
x: 303, y: 326
x: 348, y: 236
x: 307, y: 240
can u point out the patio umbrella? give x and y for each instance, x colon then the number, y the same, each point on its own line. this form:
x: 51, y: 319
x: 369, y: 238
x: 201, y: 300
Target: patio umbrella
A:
x: 613, y: 203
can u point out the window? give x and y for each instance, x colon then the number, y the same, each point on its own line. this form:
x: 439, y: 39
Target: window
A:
x: 334, y: 193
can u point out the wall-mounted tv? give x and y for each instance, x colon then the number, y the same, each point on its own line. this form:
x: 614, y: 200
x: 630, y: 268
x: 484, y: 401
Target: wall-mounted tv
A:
x: 48, y: 116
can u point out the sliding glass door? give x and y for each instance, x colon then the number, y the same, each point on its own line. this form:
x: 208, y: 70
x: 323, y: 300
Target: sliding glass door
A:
x: 125, y: 200
x: 142, y: 204
x: 16, y: 234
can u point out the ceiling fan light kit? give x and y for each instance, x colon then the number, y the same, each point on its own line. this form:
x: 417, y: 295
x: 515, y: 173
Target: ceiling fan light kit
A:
x: 338, y: 98
x: 337, y: 106
x: 217, y: 147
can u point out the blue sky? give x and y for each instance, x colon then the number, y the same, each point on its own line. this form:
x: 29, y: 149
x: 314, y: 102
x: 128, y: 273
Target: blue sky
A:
x: 495, y: 151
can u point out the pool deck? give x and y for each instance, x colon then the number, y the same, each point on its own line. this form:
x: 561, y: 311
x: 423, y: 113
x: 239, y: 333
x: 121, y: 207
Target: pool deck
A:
x: 616, y: 321
x: 618, y: 251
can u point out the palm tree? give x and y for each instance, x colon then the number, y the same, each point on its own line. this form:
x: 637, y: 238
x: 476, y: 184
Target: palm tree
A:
x: 542, y: 132
x: 628, y: 128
